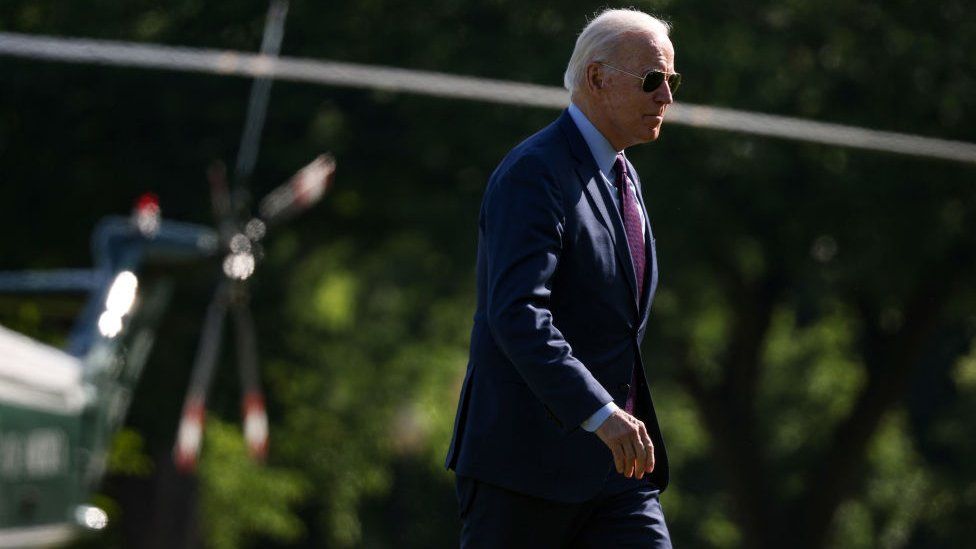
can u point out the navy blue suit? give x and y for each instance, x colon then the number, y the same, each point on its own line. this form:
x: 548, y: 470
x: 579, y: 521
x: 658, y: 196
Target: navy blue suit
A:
x: 558, y: 325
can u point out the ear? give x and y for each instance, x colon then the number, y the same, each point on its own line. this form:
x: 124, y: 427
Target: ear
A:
x: 594, y: 76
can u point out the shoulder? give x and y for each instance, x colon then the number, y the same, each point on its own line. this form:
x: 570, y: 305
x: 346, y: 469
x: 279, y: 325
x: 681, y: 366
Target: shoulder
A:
x: 543, y: 155
x: 531, y: 178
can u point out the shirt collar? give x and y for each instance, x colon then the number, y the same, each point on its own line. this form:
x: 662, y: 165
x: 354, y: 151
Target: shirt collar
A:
x: 600, y: 148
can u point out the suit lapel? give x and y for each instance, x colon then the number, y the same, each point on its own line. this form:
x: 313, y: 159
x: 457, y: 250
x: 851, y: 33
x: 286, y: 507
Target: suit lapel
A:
x: 616, y: 226
x: 600, y: 198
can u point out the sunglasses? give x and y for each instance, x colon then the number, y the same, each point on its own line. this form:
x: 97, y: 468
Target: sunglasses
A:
x: 651, y: 79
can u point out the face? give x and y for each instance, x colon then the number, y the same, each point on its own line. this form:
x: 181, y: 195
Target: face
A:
x: 632, y: 115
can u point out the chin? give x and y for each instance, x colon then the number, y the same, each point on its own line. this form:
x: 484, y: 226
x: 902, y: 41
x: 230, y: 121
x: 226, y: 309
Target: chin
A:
x: 652, y: 135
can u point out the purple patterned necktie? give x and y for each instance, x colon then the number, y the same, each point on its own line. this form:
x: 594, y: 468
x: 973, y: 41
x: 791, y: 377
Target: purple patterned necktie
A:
x: 632, y: 222
x: 635, y: 240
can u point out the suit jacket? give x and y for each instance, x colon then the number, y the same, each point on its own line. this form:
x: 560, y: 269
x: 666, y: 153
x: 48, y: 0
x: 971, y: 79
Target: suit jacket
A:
x: 557, y: 328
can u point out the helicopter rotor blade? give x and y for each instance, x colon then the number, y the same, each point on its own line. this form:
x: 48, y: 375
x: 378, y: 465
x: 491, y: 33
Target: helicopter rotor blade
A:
x: 253, y: 409
x: 190, y: 435
x: 302, y: 191
x: 238, y: 265
x: 274, y: 31
x: 220, y: 199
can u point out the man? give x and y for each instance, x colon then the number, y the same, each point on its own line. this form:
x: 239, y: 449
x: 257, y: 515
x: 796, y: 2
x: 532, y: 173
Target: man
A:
x: 556, y: 442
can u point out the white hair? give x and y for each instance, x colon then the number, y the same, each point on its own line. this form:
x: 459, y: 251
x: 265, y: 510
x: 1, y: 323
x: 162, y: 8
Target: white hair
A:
x: 601, y: 36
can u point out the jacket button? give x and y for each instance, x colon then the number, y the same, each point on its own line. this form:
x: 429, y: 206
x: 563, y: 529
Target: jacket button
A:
x: 624, y: 387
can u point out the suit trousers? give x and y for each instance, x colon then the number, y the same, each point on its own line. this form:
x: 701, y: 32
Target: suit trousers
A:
x: 625, y: 513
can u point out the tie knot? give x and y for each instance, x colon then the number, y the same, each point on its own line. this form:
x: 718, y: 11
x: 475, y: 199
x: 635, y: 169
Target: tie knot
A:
x: 619, y: 166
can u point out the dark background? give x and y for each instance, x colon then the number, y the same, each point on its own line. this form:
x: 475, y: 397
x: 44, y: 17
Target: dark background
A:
x: 811, y: 347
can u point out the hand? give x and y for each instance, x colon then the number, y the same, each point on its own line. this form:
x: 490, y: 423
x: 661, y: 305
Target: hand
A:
x: 625, y: 435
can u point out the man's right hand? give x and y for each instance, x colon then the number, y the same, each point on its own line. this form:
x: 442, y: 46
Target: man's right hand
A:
x: 625, y: 435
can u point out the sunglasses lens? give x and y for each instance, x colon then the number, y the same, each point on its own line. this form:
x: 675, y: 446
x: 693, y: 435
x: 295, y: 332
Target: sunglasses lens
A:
x: 653, y: 80
x: 674, y: 81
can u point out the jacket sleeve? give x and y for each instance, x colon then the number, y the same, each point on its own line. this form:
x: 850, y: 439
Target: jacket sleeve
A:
x: 523, y: 223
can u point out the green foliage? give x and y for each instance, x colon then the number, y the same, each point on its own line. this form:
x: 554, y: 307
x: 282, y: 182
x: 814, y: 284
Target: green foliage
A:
x: 239, y: 498
x: 811, y: 380
x: 386, y: 355
x: 127, y: 455
x: 897, y: 495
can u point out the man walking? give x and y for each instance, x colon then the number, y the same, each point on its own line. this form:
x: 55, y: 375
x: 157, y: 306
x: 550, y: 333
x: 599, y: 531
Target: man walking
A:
x: 556, y: 443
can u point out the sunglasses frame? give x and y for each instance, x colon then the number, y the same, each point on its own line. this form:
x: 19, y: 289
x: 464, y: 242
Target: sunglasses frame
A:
x: 673, y: 79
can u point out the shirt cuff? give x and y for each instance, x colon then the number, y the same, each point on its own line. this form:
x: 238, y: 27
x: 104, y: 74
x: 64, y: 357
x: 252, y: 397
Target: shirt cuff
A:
x: 596, y: 420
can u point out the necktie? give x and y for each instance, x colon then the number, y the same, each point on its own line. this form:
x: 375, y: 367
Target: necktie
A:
x: 632, y: 222
x: 635, y: 240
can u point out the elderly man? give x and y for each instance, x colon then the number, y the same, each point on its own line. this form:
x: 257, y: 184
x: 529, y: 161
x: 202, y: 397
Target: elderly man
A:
x: 556, y: 442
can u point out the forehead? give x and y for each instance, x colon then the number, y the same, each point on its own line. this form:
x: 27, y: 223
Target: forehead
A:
x: 648, y: 49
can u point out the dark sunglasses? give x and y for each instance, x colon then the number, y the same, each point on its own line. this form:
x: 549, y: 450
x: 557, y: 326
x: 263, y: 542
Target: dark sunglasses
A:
x: 651, y: 79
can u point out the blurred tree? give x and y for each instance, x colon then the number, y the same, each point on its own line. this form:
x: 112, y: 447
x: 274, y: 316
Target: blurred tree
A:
x: 241, y: 499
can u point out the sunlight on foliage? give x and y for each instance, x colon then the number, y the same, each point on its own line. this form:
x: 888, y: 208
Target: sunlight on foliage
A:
x: 718, y: 530
x: 899, y: 484
x: 334, y: 298
x: 965, y: 372
x: 811, y: 379
x: 710, y: 327
x: 361, y: 400
x: 127, y: 455
x: 853, y: 525
x: 683, y: 429
x: 242, y: 499
x: 899, y: 492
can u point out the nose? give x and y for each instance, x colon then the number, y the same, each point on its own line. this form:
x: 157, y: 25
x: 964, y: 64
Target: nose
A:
x: 663, y: 93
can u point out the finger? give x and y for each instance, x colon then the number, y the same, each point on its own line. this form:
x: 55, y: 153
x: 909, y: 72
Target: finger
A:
x: 641, y: 465
x: 629, y: 458
x: 641, y: 457
x: 637, y: 446
x: 649, y: 448
x: 640, y: 468
x: 645, y: 438
x: 651, y: 461
x: 618, y: 458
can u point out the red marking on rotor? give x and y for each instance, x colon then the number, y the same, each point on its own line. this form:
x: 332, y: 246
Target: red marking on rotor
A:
x: 190, y: 436
x: 256, y: 425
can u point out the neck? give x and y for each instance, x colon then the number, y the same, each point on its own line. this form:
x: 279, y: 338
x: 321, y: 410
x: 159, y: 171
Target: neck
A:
x: 588, y: 105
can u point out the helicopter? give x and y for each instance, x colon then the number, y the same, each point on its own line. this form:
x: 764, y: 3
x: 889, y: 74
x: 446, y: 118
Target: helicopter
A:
x: 59, y: 407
